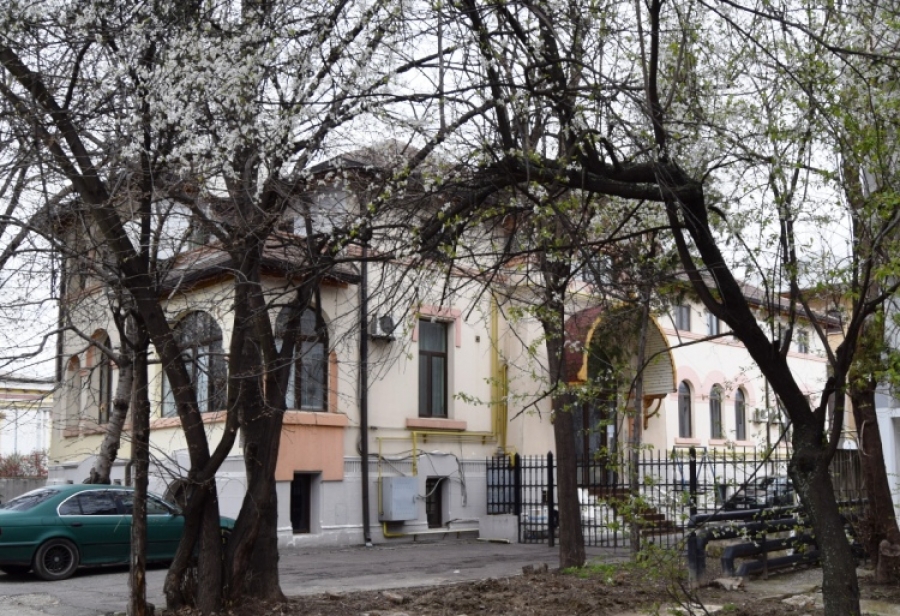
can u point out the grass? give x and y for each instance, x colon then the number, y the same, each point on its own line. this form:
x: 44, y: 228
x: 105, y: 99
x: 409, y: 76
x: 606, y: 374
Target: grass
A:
x: 605, y: 571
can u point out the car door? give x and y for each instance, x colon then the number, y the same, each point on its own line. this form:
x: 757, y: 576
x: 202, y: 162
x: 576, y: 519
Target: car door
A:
x: 100, y: 530
x: 165, y: 524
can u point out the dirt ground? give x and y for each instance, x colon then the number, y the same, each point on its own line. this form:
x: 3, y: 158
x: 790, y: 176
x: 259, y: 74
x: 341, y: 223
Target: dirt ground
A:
x: 603, y: 591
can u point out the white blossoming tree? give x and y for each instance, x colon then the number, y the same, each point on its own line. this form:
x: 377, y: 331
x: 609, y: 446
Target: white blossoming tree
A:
x: 130, y: 114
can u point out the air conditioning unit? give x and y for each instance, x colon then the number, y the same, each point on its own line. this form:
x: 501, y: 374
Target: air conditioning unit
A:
x: 383, y: 327
x: 760, y: 416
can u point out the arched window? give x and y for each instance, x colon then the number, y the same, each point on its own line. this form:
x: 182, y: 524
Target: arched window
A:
x: 103, y: 376
x: 715, y: 413
x: 685, y: 427
x: 72, y: 394
x: 307, y: 383
x: 740, y: 416
x: 200, y: 339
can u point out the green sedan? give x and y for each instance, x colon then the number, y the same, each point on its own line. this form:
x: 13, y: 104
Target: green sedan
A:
x: 54, y: 530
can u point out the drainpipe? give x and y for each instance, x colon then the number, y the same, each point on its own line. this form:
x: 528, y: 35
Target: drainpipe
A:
x: 364, y: 391
x: 60, y: 321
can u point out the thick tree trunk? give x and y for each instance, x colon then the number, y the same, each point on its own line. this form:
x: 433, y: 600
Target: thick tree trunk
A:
x: 571, y: 536
x: 252, y: 551
x: 880, y: 523
x: 809, y: 471
x: 109, y: 448
x: 140, y: 447
x: 209, y: 567
x: 194, y: 578
x: 253, y: 547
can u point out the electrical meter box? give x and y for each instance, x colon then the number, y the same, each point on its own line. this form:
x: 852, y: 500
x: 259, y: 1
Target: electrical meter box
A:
x: 399, y: 499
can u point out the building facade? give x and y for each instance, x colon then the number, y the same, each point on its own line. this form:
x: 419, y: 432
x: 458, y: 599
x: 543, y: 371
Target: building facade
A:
x: 25, y: 416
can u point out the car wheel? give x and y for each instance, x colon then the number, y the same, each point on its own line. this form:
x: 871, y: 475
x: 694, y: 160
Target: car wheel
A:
x: 15, y: 569
x: 56, y: 559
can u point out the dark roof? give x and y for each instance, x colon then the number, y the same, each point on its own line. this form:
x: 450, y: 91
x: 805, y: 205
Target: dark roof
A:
x: 283, y: 254
x: 776, y: 301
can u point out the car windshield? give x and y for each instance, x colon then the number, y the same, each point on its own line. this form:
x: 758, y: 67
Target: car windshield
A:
x: 29, y: 500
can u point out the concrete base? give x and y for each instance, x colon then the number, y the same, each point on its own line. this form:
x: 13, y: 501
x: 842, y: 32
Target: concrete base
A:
x: 504, y: 526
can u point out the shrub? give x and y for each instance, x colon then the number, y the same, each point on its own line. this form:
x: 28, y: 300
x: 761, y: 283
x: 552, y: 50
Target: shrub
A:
x: 19, y: 465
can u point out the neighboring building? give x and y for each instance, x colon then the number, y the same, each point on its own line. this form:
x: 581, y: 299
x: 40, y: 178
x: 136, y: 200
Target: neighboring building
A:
x: 25, y: 415
x: 455, y: 377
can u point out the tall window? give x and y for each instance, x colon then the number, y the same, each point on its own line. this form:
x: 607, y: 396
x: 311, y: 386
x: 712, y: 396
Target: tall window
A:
x: 685, y: 429
x: 432, y: 369
x: 740, y: 416
x: 72, y: 393
x: 802, y: 341
x: 715, y: 413
x: 307, y: 382
x: 713, y: 325
x: 104, y: 384
x: 683, y: 317
x: 200, y: 339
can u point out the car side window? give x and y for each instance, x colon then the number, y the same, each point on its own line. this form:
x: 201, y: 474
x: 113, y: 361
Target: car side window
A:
x: 126, y: 501
x: 29, y: 500
x: 156, y: 507
x: 70, y: 507
x: 97, y: 503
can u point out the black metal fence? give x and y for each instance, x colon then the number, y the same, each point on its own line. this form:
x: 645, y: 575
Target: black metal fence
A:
x: 649, y: 495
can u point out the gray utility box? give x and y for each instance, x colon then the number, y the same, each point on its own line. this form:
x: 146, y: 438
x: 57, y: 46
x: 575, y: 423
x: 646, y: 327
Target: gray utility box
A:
x: 399, y: 499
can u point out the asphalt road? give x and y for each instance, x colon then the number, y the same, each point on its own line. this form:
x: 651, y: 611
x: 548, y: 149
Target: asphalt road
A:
x: 92, y: 592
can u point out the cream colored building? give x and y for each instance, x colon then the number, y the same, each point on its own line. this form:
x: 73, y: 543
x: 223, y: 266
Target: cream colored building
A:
x: 456, y: 374
x: 706, y: 394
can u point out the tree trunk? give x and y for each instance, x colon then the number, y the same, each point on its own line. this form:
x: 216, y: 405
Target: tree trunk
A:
x: 880, y: 523
x: 812, y: 450
x: 252, y: 554
x: 252, y: 551
x: 253, y: 547
x: 809, y: 471
x: 888, y: 569
x: 191, y: 581
x: 571, y: 536
x: 140, y: 448
x: 634, y: 480
x: 109, y: 448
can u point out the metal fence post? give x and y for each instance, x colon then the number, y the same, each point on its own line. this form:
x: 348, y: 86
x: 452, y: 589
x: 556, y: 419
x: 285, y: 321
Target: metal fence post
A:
x: 551, y: 514
x: 692, y: 485
x: 517, y: 484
